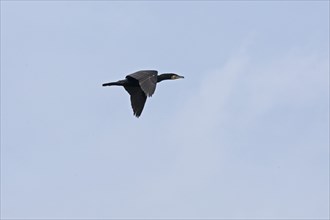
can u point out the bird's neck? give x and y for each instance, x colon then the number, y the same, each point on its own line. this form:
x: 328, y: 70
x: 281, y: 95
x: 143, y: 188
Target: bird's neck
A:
x: 163, y: 76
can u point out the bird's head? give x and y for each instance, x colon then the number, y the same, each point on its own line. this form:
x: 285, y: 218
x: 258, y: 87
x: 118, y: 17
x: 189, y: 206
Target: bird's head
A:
x: 166, y: 76
x: 176, y: 76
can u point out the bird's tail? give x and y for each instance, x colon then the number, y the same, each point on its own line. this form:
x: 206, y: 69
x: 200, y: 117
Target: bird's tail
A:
x: 111, y: 84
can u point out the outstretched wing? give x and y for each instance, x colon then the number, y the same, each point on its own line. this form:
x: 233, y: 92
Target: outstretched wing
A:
x: 147, y: 80
x: 138, y: 99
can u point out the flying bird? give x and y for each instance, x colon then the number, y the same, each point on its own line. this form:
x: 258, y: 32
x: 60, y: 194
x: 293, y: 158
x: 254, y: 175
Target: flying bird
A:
x: 140, y: 85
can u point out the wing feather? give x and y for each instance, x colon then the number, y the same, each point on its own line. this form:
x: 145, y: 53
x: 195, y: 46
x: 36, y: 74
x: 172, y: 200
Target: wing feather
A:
x: 138, y: 99
x: 147, y: 80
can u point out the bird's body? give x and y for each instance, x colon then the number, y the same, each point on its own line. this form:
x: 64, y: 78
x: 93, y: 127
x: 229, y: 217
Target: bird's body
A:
x: 140, y: 85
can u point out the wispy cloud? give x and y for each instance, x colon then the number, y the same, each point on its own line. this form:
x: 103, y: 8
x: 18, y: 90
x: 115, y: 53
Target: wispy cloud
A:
x: 223, y: 132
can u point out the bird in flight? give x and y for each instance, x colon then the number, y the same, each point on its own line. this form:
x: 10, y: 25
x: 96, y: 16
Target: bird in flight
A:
x: 140, y: 85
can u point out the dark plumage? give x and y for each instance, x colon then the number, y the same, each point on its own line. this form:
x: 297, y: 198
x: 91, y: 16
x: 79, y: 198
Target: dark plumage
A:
x: 140, y: 85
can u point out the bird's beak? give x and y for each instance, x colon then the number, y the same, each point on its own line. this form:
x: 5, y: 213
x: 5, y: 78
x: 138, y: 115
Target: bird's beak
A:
x: 181, y: 77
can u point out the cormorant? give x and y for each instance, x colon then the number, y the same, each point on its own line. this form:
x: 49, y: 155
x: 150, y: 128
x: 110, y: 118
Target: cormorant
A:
x: 140, y: 85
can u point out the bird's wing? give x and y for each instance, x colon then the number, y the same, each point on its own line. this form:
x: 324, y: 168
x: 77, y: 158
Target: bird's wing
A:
x: 138, y: 99
x: 147, y: 80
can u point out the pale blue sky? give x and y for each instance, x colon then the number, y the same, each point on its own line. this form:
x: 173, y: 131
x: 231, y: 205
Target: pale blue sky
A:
x: 244, y: 135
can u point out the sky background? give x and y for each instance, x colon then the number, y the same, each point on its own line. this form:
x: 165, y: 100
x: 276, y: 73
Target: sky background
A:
x: 244, y: 135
